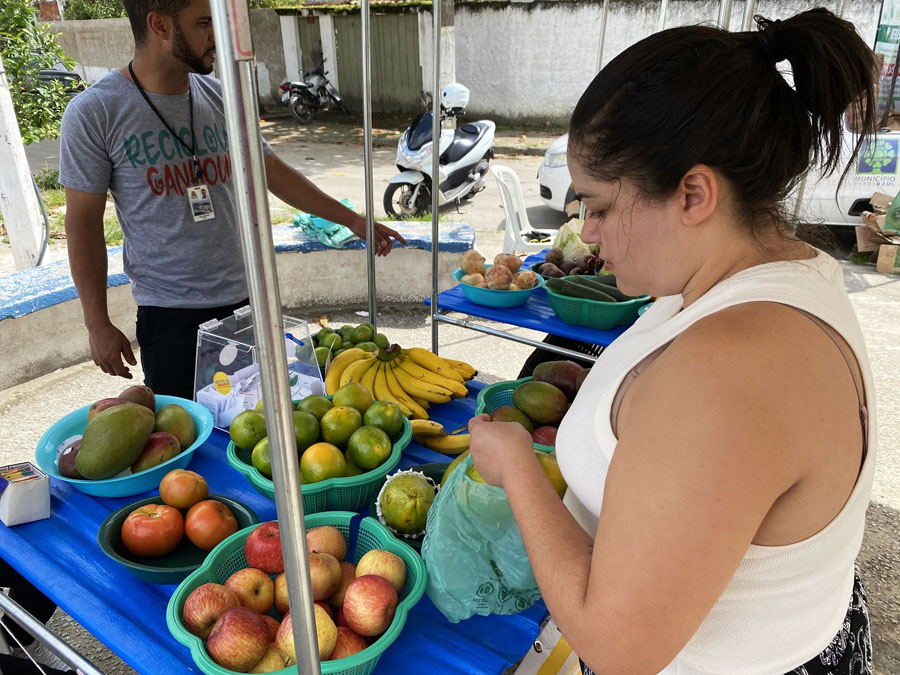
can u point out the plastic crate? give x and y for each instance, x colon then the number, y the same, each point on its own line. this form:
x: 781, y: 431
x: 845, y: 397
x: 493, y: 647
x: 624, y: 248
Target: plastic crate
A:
x: 500, y: 394
x: 351, y: 493
x: 594, y: 313
x: 228, y: 557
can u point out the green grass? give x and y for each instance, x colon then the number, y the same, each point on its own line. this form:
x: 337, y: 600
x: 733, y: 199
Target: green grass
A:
x: 112, y: 232
x: 863, y: 258
x: 53, y: 198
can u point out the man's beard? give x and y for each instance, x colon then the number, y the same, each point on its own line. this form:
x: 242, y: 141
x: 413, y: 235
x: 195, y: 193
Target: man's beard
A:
x: 182, y: 51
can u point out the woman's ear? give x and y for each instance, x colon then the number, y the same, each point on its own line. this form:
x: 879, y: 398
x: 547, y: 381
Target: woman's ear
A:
x: 698, y: 194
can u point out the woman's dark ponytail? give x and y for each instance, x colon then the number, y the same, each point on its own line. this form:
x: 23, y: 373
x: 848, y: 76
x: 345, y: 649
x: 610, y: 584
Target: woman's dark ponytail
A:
x: 702, y: 95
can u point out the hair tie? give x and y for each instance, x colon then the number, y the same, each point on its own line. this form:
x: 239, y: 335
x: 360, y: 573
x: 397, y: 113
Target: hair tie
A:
x: 768, y: 40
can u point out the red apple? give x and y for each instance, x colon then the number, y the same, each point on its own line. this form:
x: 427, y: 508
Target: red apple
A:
x: 348, y: 643
x: 325, y: 575
x: 326, y: 635
x: 141, y: 395
x: 239, y: 639
x: 369, y: 605
x: 326, y: 539
x: 324, y: 605
x: 263, y: 548
x: 545, y: 436
x: 254, y: 589
x: 272, y: 661
x: 272, y: 624
x: 103, y: 404
x: 205, y: 605
x: 282, y: 605
x: 340, y: 619
x: 383, y: 564
x: 348, y: 574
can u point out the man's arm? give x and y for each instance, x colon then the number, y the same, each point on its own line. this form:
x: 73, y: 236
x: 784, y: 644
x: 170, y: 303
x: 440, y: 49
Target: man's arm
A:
x: 291, y: 186
x: 88, y: 262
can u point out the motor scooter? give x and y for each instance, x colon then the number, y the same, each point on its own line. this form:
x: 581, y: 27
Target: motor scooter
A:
x: 307, y: 96
x: 465, y: 153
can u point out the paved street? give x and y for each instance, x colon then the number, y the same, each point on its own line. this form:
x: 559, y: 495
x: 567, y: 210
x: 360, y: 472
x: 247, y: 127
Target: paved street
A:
x: 27, y: 410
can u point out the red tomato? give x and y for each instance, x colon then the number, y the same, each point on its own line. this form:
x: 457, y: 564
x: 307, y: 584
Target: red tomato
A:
x: 152, y: 530
x: 182, y: 489
x: 209, y: 522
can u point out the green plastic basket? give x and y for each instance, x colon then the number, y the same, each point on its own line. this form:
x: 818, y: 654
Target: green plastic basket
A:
x: 228, y: 557
x: 500, y: 394
x: 346, y: 494
x: 593, y: 313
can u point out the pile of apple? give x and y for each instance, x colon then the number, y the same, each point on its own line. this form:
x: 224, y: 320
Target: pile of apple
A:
x: 353, y: 603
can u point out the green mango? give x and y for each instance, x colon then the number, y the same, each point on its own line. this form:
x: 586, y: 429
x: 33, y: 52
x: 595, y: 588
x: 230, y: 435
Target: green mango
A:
x: 113, y: 440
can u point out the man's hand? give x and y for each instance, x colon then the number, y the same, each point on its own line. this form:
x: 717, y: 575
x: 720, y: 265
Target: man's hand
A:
x: 108, y: 346
x: 383, y: 236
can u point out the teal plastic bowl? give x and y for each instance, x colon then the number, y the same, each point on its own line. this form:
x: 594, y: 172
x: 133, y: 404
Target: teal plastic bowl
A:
x: 173, y: 567
x: 74, y: 423
x: 490, y: 298
x: 500, y: 394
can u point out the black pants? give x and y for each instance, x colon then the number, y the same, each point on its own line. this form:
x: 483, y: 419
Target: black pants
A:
x: 850, y: 652
x: 30, y: 598
x: 168, y: 340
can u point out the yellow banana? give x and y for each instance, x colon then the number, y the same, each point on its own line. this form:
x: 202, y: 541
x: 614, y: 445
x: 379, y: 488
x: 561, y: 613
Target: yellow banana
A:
x: 431, y: 377
x: 383, y: 393
x: 430, y: 392
x: 466, y: 371
x: 432, y: 362
x: 339, y: 365
x: 368, y: 378
x: 422, y: 402
x: 446, y: 444
x: 421, y: 428
x: 416, y: 411
x: 355, y: 371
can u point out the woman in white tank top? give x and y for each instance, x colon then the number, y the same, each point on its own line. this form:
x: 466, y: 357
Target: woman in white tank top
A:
x: 720, y: 455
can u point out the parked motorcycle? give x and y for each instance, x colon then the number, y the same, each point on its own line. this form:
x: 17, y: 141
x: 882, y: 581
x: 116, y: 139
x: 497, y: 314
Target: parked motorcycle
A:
x: 465, y: 154
x: 311, y: 94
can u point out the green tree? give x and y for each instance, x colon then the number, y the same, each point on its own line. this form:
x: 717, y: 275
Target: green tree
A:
x: 28, y: 46
x: 94, y: 9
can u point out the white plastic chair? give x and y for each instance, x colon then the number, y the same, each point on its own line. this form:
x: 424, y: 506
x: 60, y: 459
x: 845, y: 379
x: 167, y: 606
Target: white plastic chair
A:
x: 518, y: 232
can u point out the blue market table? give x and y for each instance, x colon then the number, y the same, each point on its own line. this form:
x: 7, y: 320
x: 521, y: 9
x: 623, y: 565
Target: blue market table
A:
x: 60, y: 556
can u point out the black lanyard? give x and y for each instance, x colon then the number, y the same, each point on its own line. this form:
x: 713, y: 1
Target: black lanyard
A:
x: 198, y: 172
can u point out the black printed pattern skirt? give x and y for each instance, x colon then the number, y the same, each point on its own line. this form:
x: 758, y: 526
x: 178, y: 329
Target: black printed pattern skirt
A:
x: 850, y: 652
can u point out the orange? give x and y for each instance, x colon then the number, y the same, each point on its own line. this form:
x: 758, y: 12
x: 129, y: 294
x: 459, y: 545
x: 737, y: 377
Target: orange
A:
x: 317, y: 404
x: 385, y: 415
x: 306, y: 429
x: 369, y: 447
x: 353, y: 395
x: 321, y: 461
x: 338, y: 424
x: 351, y: 469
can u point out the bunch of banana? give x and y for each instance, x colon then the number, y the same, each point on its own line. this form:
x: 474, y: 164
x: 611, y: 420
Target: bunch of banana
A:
x: 433, y: 436
x: 412, y: 378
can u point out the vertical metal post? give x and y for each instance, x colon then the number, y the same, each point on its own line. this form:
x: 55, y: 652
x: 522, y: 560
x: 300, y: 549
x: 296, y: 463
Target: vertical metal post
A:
x: 435, y: 164
x: 231, y: 20
x: 749, y: 11
x: 840, y: 11
x: 603, y: 18
x: 725, y: 13
x: 367, y: 155
x: 662, y: 14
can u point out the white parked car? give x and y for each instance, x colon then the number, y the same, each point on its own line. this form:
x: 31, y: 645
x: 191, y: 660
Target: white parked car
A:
x: 553, y: 176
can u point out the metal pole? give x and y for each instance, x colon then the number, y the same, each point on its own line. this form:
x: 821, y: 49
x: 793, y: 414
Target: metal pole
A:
x: 840, y: 11
x: 367, y: 155
x: 662, y: 14
x: 725, y: 13
x: 44, y: 635
x: 435, y: 163
x: 231, y: 20
x: 603, y: 18
x: 749, y: 11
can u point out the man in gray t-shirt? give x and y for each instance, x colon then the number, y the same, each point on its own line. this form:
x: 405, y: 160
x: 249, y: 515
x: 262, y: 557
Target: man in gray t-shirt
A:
x: 153, y: 134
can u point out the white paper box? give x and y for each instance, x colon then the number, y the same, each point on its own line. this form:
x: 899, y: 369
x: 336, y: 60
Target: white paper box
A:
x: 26, y: 494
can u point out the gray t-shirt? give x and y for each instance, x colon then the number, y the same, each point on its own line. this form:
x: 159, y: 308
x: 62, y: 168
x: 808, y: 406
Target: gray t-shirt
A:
x: 112, y: 140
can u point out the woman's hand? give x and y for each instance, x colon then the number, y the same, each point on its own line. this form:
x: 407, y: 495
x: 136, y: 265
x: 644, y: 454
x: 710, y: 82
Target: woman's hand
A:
x: 498, y: 448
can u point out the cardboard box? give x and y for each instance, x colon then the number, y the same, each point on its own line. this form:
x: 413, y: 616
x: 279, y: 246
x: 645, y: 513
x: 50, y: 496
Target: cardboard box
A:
x: 867, y: 240
x: 24, y: 494
x: 888, y: 259
x: 226, y: 377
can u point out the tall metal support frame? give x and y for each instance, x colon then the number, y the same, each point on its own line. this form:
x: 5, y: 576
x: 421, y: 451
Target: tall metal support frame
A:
x: 725, y: 7
x: 749, y: 11
x: 435, y: 166
x: 367, y: 156
x: 231, y: 20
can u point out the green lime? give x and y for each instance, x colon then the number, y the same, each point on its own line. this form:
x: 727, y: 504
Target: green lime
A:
x: 405, y: 501
x: 260, y: 458
x: 247, y: 429
x: 346, y: 332
x: 338, y: 424
x: 355, y: 395
x: 306, y: 429
x: 321, y: 461
x: 338, y: 351
x: 317, y: 404
x: 362, y: 333
x: 367, y: 346
x: 332, y: 341
x: 368, y: 447
x: 381, y: 340
x: 370, y: 325
x: 322, y: 356
x: 385, y: 415
x: 351, y: 469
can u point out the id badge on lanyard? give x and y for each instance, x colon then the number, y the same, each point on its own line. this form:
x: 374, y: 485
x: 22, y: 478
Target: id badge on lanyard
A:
x: 200, y: 199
